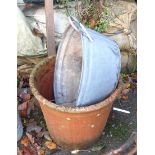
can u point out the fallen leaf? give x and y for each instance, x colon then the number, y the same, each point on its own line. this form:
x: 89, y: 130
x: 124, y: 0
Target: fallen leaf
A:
x: 124, y: 97
x: 134, y: 76
x: 25, y: 141
x: 127, y: 78
x: 125, y: 91
x: 40, y: 134
x: 50, y: 145
x: 26, y: 97
x: 47, y: 135
x: 37, y: 146
x: 92, y: 23
x: 29, y: 151
x: 23, y: 106
x: 21, y: 92
x: 36, y: 32
x: 30, y: 106
x: 33, y: 127
x: 20, y: 84
x: 36, y: 128
x: 30, y: 137
x: 39, y: 141
x: 31, y: 120
x: 97, y: 148
x: 127, y: 85
x: 25, y: 78
x: 23, y: 113
x: 24, y: 121
x: 19, y: 152
x: 41, y: 151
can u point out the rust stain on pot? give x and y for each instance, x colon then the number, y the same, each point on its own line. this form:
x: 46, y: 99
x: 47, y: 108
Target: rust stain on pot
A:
x: 69, y: 126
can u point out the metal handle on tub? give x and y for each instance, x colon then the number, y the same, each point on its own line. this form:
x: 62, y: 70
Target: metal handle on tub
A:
x: 79, y: 27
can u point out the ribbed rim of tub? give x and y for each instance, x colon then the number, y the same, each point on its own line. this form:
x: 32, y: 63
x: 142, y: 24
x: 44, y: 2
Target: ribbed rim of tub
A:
x: 61, y: 108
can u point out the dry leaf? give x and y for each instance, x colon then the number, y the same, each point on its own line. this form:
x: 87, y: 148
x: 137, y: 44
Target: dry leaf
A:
x: 40, y: 134
x: 26, y: 97
x: 47, y: 135
x: 30, y: 137
x: 20, y: 84
x: 23, y: 106
x: 25, y: 141
x: 92, y: 24
x: 37, y: 146
x: 24, y: 121
x: 33, y: 127
x: 124, y: 98
x: 23, y: 113
x: 31, y: 120
x: 127, y: 85
x: 29, y: 151
x: 125, y: 91
x: 41, y: 151
x: 30, y: 106
x: 50, y: 145
x: 19, y: 152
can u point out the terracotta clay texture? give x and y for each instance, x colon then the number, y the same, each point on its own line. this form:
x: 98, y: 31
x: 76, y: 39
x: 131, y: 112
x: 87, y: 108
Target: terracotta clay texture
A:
x: 71, y: 128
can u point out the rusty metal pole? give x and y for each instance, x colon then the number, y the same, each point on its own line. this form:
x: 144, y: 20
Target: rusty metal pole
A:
x: 50, y: 27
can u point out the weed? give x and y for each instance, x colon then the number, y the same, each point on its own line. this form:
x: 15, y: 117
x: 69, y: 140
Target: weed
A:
x: 118, y: 129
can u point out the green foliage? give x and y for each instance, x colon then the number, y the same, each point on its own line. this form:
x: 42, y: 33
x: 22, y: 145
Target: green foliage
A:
x: 123, y: 77
x: 103, y: 22
x: 65, y: 4
x: 91, y: 12
x: 62, y: 2
x: 118, y: 129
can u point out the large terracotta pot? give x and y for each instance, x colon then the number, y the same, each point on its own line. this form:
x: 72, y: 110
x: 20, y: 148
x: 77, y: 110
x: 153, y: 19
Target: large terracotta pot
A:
x: 72, y: 128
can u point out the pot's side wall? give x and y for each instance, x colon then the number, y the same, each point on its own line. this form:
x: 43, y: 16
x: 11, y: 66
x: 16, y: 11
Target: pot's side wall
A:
x: 69, y: 130
x: 75, y: 130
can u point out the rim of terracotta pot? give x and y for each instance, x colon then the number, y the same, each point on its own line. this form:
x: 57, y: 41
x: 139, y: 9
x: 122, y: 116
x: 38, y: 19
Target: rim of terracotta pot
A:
x: 62, y: 108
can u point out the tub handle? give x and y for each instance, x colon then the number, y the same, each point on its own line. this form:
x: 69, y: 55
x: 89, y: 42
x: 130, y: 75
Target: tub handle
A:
x: 79, y: 27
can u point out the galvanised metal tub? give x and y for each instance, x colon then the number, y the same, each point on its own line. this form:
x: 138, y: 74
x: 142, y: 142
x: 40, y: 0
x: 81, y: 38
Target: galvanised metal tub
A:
x: 71, y: 128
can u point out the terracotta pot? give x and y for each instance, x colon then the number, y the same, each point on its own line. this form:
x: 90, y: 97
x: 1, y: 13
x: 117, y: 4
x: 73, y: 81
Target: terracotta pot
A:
x: 71, y: 128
